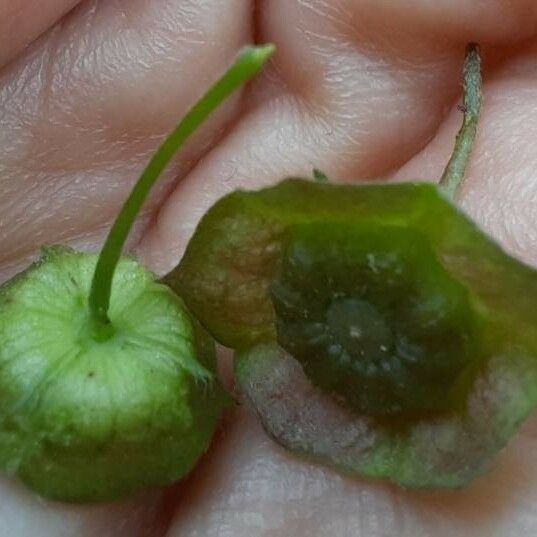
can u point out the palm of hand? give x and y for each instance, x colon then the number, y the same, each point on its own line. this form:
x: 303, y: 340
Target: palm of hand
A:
x: 359, y: 89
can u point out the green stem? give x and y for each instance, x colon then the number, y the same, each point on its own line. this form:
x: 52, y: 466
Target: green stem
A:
x: 248, y: 64
x: 454, y: 173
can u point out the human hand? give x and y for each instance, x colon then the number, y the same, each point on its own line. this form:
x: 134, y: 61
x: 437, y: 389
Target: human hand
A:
x: 360, y: 89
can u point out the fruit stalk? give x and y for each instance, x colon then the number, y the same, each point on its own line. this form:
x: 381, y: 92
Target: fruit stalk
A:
x: 249, y: 62
x: 458, y: 163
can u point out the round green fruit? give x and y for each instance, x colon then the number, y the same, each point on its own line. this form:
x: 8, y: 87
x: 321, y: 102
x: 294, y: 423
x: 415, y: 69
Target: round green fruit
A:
x: 89, y: 420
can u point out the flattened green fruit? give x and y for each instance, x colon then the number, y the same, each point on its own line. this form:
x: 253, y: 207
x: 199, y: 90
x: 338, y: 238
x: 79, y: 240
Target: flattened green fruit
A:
x: 83, y: 420
x: 391, y: 300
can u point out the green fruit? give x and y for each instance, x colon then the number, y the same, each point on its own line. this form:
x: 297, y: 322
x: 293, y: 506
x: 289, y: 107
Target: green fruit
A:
x: 83, y: 420
x: 107, y: 384
x: 444, y: 313
x: 378, y: 329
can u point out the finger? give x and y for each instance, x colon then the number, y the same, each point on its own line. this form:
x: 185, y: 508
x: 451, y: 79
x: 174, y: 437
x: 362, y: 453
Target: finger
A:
x: 356, y: 88
x: 82, y: 112
x: 251, y: 487
x: 332, y: 100
x: 491, y: 22
x: 23, y: 514
x: 22, y: 21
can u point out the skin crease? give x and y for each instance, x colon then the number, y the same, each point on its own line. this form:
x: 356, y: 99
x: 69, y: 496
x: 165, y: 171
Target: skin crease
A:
x: 361, y: 89
x: 20, y: 24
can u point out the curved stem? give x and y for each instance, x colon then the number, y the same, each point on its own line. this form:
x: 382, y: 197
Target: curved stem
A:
x: 249, y: 63
x: 454, y: 173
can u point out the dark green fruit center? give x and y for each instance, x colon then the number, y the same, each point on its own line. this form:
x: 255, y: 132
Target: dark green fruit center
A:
x: 374, y: 318
x: 359, y: 333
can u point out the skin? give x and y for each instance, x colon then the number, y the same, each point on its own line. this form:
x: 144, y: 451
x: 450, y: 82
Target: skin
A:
x: 359, y: 88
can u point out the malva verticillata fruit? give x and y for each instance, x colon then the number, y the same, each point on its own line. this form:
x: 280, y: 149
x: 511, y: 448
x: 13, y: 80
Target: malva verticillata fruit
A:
x: 377, y: 328
x: 107, y: 384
